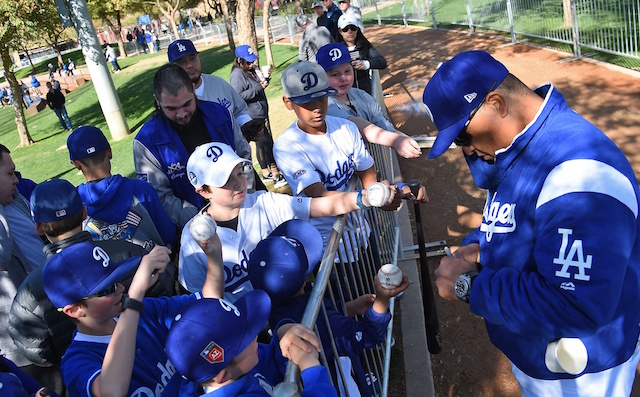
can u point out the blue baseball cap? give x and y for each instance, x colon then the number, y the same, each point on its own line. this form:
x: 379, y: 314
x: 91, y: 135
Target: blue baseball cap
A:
x: 85, y: 141
x: 246, y: 52
x: 82, y: 270
x: 333, y: 54
x: 280, y: 263
x: 54, y: 200
x: 304, y: 81
x: 207, y: 334
x: 459, y: 86
x: 180, y: 48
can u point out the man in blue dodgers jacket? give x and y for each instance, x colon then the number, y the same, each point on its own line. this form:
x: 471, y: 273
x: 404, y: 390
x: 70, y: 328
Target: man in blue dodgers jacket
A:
x: 180, y: 124
x: 556, y: 259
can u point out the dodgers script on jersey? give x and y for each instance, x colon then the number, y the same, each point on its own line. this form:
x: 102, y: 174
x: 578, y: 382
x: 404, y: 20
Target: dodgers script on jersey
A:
x: 559, y: 243
x: 331, y: 159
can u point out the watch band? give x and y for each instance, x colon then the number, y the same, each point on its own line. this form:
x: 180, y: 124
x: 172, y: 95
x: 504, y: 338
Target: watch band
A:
x: 133, y: 304
x: 359, y: 201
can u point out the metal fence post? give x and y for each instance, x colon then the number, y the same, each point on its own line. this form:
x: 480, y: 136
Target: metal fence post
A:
x: 433, y: 14
x: 375, y: 3
x: 404, y: 14
x: 576, y: 32
x: 469, y: 18
x: 511, y: 27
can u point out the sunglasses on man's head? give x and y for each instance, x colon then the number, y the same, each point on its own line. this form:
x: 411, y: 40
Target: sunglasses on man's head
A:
x: 107, y: 291
x: 347, y: 28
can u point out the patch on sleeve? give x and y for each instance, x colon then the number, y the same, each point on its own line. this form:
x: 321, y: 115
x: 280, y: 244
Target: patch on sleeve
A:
x: 298, y: 174
x: 142, y: 176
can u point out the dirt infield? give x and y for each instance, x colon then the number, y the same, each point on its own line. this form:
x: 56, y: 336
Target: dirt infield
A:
x: 607, y: 96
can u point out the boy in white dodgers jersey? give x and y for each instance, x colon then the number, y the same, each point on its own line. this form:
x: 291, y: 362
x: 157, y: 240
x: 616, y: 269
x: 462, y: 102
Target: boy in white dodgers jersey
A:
x: 318, y: 154
x: 214, y: 343
x: 216, y: 172
x: 123, y: 356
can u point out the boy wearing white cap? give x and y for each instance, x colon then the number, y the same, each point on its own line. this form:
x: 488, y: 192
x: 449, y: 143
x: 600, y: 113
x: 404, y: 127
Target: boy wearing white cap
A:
x: 243, y: 220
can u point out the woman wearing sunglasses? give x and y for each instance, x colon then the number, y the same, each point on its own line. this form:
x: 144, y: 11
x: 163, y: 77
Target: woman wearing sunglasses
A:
x: 364, y: 56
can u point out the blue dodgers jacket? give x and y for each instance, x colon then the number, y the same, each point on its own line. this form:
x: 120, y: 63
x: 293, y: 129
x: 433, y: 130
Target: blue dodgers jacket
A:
x: 111, y: 202
x: 560, y: 245
x: 160, y: 138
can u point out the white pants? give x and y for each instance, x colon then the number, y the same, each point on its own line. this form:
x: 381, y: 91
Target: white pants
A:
x: 616, y: 381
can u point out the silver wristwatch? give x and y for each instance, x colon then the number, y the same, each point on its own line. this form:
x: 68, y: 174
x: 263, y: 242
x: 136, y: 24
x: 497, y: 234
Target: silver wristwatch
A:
x: 463, y: 285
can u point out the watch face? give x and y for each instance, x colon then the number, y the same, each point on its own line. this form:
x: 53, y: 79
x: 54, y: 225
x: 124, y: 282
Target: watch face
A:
x: 462, y: 288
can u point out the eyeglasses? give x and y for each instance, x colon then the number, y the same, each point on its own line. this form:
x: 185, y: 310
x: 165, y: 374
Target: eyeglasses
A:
x: 464, y: 138
x: 107, y: 291
x: 347, y: 28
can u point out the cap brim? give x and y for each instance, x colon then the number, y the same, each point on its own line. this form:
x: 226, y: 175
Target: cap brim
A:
x: 305, y: 233
x: 227, y: 172
x: 122, y: 270
x: 299, y: 100
x: 445, y: 138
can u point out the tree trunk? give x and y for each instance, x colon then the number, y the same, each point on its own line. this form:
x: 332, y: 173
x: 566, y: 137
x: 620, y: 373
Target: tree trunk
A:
x: 265, y: 28
x: 119, y: 39
x: 566, y: 13
x: 228, y: 25
x: 21, y: 122
x: 246, y: 27
x: 33, y: 68
x: 57, y: 50
x: 170, y: 13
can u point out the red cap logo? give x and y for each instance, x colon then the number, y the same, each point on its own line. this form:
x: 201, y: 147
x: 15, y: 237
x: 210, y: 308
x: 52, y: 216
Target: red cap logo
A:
x: 213, y: 353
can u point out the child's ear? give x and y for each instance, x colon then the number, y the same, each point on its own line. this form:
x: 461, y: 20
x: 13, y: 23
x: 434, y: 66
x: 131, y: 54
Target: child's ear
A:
x: 223, y: 376
x: 73, y: 310
x: 287, y: 103
x: 39, y: 229
x: 76, y: 164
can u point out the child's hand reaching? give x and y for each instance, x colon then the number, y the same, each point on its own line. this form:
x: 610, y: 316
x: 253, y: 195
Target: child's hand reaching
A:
x: 299, y: 344
x: 381, y: 304
x: 358, y: 306
x: 151, y: 265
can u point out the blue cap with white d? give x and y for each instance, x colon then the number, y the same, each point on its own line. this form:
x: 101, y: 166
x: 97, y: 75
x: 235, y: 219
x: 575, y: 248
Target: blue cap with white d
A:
x: 459, y: 86
x: 179, y: 49
x: 86, y: 140
x: 207, y: 334
x: 280, y: 263
x: 333, y: 54
x: 304, y: 81
x: 246, y: 52
x: 54, y: 200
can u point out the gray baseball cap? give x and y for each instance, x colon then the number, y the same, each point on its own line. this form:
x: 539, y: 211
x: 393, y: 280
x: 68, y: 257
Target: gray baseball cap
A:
x: 317, y: 4
x: 304, y: 81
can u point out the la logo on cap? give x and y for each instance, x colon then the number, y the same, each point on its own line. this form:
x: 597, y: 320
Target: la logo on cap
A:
x: 335, y: 53
x: 250, y: 51
x: 213, y: 353
x: 181, y: 48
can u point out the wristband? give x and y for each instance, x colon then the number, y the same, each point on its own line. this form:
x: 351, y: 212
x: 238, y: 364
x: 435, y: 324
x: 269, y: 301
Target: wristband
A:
x: 133, y: 304
x: 359, y: 201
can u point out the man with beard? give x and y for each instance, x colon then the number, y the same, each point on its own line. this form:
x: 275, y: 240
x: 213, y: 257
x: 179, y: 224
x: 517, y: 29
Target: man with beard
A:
x: 180, y: 124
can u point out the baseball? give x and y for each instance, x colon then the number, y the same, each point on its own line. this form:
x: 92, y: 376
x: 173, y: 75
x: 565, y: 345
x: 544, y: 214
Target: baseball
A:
x: 572, y: 355
x: 390, y: 276
x: 378, y: 194
x: 202, y: 227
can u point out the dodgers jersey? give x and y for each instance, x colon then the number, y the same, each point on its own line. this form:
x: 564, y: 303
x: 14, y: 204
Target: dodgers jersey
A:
x: 153, y: 374
x: 331, y: 159
x: 261, y: 212
x: 559, y: 243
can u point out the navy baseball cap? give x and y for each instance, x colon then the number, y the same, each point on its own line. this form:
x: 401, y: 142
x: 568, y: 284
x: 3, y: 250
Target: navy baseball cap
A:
x: 54, y: 200
x: 333, y: 54
x: 304, y: 81
x: 85, y: 141
x: 207, y: 334
x: 82, y: 270
x: 280, y: 263
x: 180, y: 48
x: 246, y: 52
x: 459, y: 86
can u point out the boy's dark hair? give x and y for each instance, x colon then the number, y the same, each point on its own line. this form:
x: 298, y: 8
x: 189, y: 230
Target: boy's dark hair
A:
x: 170, y: 78
x: 56, y: 228
x: 3, y: 150
x: 94, y: 159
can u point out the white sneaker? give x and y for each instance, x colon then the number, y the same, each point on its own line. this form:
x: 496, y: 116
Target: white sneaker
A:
x: 279, y: 181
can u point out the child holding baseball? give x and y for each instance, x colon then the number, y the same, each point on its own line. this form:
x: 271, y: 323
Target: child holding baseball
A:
x: 244, y: 219
x: 214, y: 343
x: 280, y: 264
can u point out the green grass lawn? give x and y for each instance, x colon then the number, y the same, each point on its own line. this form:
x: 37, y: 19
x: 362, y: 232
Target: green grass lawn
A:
x: 49, y: 158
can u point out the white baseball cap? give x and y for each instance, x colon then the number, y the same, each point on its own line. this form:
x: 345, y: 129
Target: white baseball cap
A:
x: 346, y: 20
x: 211, y: 164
